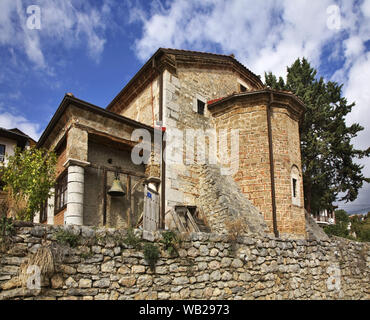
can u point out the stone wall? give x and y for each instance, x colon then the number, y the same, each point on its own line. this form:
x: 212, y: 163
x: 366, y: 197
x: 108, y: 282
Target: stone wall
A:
x: 102, y: 267
x: 222, y: 202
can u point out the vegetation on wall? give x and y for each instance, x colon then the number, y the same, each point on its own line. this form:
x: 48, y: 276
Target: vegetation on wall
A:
x: 65, y: 237
x: 6, y: 230
x: 330, y: 171
x: 151, y: 254
x: 170, y: 241
x: 28, y: 178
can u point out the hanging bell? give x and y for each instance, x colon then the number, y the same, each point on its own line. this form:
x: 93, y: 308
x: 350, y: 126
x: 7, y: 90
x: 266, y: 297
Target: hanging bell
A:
x: 116, y: 189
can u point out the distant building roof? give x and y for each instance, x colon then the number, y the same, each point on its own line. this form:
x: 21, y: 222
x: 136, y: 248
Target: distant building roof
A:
x: 16, y: 135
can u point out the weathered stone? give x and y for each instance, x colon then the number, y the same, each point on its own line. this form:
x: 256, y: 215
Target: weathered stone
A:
x: 202, y: 266
x: 202, y: 278
x: 245, y: 276
x: 180, y: 280
x: 237, y: 263
x: 63, y: 268
x: 57, y: 281
x: 145, y: 281
x: 163, y: 295
x: 102, y: 283
x: 215, y: 275
x: 193, y: 252
x: 203, y: 250
x: 162, y: 280
x: 108, y: 252
x: 225, y: 262
x: 84, y: 268
x: 85, y: 283
x: 138, y: 269
x: 213, y: 265
x: 185, y: 293
x: 226, y: 276
x: 94, y: 259
x: 71, y: 283
x: 108, y: 266
x: 127, y: 281
x: 124, y: 270
x: 101, y: 296
x: 96, y: 249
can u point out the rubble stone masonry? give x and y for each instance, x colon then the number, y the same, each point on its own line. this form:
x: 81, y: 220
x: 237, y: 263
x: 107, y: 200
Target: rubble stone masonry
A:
x: 102, y: 267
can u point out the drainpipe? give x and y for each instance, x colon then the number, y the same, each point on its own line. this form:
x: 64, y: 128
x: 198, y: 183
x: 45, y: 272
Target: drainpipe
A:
x: 272, y: 169
x: 163, y: 145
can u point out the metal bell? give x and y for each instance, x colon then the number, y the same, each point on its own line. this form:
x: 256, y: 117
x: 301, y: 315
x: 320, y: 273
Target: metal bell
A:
x: 116, y: 189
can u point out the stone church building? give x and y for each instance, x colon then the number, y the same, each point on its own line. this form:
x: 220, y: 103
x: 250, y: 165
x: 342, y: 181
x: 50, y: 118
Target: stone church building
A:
x: 173, y: 92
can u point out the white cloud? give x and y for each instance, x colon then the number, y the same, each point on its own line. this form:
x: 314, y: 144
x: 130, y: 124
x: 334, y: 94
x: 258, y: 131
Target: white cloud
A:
x: 264, y: 35
x: 9, y: 121
x: 64, y: 24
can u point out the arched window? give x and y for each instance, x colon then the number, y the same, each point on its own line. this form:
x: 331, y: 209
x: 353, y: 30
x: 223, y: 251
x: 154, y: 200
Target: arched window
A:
x: 295, y: 179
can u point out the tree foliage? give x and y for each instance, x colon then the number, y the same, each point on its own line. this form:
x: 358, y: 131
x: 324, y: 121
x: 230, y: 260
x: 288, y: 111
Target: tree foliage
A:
x: 340, y: 228
x: 28, y: 177
x: 330, y: 172
x: 359, y: 229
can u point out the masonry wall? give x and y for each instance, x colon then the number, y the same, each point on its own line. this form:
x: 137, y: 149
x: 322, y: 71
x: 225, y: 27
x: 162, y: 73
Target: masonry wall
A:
x: 181, y: 92
x: 102, y: 268
x: 116, y: 208
x: 253, y: 175
x: 287, y: 154
x: 145, y: 107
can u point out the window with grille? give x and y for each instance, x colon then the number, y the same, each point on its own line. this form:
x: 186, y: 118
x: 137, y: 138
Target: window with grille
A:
x: 61, y: 193
x: 2, y: 152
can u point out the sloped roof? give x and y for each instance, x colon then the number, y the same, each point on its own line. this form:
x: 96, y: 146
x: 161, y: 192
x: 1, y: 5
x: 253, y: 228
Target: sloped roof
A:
x: 185, y: 57
x: 70, y: 99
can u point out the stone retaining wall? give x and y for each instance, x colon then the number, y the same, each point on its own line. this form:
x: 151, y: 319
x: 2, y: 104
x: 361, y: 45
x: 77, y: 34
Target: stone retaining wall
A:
x: 103, y: 267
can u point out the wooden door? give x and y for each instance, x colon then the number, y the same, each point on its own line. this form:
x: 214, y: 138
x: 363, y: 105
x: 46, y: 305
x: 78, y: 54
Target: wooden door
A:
x: 151, y: 213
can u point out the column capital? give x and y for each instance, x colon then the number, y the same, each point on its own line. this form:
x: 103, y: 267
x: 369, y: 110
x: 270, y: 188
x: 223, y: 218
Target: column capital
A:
x: 75, y: 162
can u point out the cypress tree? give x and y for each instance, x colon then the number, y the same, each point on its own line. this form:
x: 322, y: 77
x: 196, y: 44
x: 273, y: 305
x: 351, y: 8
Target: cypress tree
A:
x: 330, y: 172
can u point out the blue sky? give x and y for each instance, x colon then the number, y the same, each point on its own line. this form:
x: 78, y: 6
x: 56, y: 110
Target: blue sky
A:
x: 93, y: 48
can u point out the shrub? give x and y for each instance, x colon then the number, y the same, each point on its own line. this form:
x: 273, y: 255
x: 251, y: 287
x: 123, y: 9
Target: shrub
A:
x: 132, y: 240
x: 65, y: 237
x: 170, y: 241
x: 151, y: 255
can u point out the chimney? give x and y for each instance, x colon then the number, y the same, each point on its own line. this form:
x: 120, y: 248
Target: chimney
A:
x: 69, y: 94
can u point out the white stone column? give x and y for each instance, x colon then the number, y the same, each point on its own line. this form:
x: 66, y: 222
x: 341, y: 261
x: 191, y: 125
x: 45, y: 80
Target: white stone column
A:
x: 50, y: 207
x: 75, y: 192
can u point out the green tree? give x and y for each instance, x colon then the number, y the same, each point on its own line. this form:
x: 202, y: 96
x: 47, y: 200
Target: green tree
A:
x: 329, y: 170
x: 28, y: 177
x: 340, y: 228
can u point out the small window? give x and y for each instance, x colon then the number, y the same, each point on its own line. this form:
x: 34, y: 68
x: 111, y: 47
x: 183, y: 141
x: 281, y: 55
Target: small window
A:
x: 294, y: 188
x: 242, y: 88
x: 2, y: 153
x: 44, y: 212
x: 61, y: 193
x: 201, y: 106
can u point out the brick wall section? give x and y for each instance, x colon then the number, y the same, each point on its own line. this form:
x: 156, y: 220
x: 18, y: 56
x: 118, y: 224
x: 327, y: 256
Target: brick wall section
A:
x: 260, y: 268
x: 62, y: 158
x: 253, y: 175
x: 59, y: 218
x: 286, y: 146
